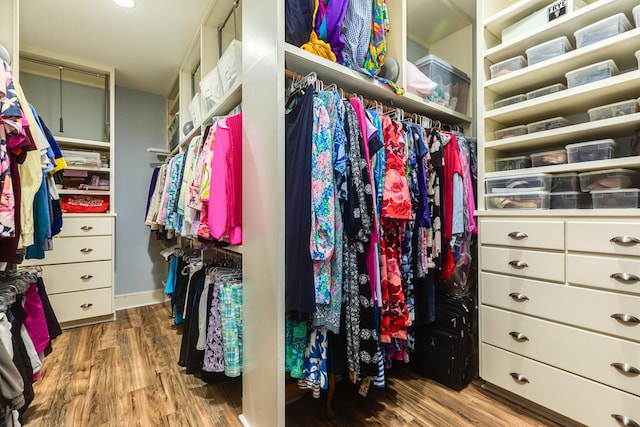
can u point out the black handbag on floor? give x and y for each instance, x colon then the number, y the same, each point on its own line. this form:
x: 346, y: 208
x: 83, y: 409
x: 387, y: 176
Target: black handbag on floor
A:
x: 443, y: 349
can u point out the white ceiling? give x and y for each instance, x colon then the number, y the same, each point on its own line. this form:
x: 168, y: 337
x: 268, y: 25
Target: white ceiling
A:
x: 145, y: 44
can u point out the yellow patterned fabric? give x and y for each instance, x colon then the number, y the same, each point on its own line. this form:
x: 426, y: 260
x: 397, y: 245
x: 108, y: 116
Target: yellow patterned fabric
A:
x: 317, y: 46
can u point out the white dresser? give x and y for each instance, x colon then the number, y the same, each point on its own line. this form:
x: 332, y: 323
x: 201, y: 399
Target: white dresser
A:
x: 79, y: 272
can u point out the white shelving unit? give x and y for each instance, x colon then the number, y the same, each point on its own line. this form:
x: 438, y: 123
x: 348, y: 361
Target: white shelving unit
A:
x: 550, y: 281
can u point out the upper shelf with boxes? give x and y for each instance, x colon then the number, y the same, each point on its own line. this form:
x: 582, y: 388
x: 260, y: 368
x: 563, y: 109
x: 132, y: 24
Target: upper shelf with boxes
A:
x: 561, y: 97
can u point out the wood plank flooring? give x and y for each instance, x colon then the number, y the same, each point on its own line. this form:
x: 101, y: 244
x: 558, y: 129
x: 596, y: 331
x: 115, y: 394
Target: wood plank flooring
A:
x: 124, y: 373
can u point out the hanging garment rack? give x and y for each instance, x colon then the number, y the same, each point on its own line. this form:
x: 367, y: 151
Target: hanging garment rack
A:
x: 399, y: 113
x: 221, y: 255
x: 232, y: 12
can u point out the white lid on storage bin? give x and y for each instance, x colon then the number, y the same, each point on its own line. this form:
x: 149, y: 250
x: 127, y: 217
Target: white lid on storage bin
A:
x: 607, y: 141
x: 607, y: 64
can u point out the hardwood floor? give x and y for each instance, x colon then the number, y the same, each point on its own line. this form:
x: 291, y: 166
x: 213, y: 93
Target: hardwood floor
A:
x: 124, y: 373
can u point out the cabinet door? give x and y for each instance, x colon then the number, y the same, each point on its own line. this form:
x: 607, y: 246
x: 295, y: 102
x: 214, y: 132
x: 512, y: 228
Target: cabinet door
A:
x: 77, y: 249
x: 606, y: 312
x: 565, y: 347
x: 82, y: 305
x: 77, y: 277
x: 522, y: 233
x: 534, y: 264
x: 620, y: 237
x: 86, y: 226
x: 583, y: 400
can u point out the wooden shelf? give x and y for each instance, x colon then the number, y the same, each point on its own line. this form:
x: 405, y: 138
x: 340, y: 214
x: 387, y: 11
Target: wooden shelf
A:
x: 82, y: 143
x: 564, y: 26
x: 228, y: 102
x: 85, y: 192
x: 88, y: 168
x: 303, y: 62
x: 622, y: 162
x: 567, y: 102
x: 608, y: 128
x: 553, y: 70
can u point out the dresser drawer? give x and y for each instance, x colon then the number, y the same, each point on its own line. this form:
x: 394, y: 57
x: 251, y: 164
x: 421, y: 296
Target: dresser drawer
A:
x: 82, y: 305
x: 587, y: 308
x: 522, y: 233
x: 578, y: 398
x: 582, y: 352
x: 86, y: 226
x: 534, y: 264
x: 604, y: 237
x: 77, y: 277
x: 606, y: 272
x: 76, y: 249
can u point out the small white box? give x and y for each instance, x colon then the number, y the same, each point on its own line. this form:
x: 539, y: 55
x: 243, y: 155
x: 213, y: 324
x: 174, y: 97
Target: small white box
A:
x: 195, y: 110
x: 230, y: 65
x: 211, y: 89
x: 540, y: 18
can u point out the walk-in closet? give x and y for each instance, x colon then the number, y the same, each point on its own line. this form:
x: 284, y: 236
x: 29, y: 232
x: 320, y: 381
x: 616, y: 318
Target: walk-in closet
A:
x: 315, y: 213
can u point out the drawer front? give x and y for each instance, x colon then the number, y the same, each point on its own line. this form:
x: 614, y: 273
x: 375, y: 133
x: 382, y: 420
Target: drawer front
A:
x: 591, y: 355
x: 578, y: 398
x: 534, y: 264
x: 77, y: 277
x: 606, y: 272
x: 522, y: 234
x: 588, y: 308
x: 84, y: 226
x: 604, y: 237
x: 82, y: 305
x: 76, y: 249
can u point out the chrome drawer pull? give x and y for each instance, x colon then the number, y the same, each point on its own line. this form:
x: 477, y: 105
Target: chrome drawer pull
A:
x: 625, y: 277
x: 519, y: 336
x: 86, y: 250
x: 518, y: 296
x: 519, y: 378
x: 625, y: 318
x: 625, y: 421
x: 518, y: 264
x: 86, y: 277
x: 626, y: 368
x: 518, y: 235
x: 86, y: 228
x: 625, y: 240
x: 86, y: 305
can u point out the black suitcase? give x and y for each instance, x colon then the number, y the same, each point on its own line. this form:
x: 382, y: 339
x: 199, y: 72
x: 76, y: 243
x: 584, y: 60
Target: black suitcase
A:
x: 444, y: 349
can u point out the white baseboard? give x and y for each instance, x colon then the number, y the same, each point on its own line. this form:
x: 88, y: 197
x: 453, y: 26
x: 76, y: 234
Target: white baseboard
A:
x: 139, y: 299
x: 243, y: 420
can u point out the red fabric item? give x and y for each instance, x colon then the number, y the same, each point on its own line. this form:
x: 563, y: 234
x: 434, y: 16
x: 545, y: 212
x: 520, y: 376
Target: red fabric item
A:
x: 84, y: 204
x: 452, y: 166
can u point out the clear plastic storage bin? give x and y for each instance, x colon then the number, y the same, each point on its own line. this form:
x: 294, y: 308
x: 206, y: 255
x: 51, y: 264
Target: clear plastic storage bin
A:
x: 511, y: 163
x: 602, y: 149
x: 548, y: 50
x: 453, y: 82
x: 616, y: 199
x: 82, y: 158
x: 564, y: 182
x: 507, y: 66
x: 510, y: 101
x: 548, y: 124
x: 546, y: 90
x: 603, y: 29
x: 518, y: 183
x: 613, y: 110
x: 511, y: 132
x: 591, y: 73
x: 532, y: 200
x: 570, y: 200
x: 610, y: 179
x: 548, y: 158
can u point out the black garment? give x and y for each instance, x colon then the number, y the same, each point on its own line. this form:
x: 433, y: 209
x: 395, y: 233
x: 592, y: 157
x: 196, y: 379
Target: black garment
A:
x: 20, y: 355
x: 52, y: 321
x: 298, y: 21
x: 299, y: 286
x: 180, y: 290
x: 190, y: 331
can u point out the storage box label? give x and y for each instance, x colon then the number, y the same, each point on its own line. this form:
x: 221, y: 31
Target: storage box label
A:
x: 556, y: 10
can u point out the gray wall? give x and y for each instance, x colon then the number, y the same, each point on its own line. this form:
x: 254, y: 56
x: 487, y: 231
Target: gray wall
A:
x: 140, y: 123
x: 83, y: 106
x: 415, y: 50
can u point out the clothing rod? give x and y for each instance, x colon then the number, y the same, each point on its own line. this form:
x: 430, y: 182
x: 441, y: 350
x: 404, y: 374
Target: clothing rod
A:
x: 64, y: 67
x: 385, y: 108
x: 233, y: 8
